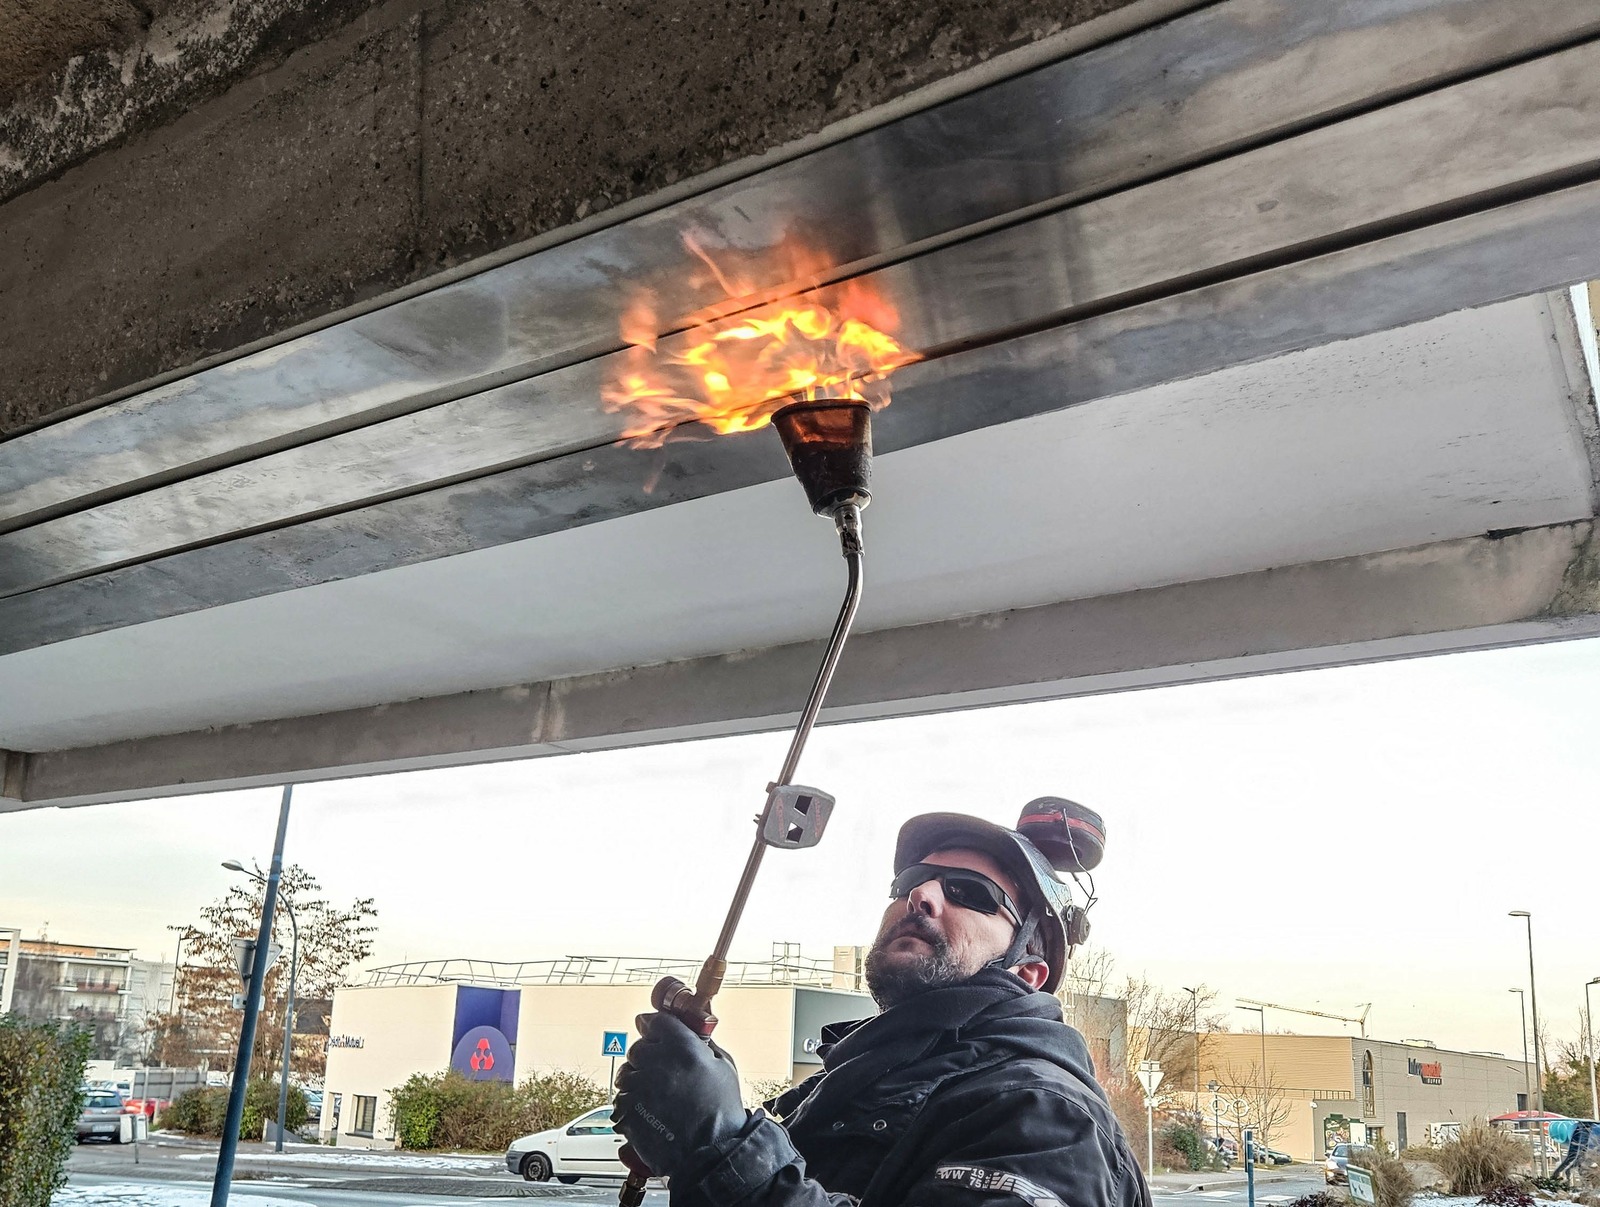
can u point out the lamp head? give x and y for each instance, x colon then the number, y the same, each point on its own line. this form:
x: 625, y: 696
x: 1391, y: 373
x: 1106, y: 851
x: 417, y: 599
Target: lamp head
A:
x: 233, y: 865
x: 1519, y: 913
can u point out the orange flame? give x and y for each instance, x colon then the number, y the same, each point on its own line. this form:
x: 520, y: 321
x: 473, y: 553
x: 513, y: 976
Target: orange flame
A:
x: 732, y: 373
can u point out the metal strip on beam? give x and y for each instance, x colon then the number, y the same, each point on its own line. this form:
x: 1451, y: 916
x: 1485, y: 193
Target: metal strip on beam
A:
x: 1229, y: 76
x: 1505, y: 252
x: 1540, y: 584
x: 1443, y: 153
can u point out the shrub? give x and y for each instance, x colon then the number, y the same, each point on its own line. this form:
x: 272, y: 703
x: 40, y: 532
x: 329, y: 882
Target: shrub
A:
x: 1185, y: 1143
x: 202, y: 1112
x: 448, y: 1110
x: 1392, y: 1183
x: 41, y: 1069
x: 1507, y: 1194
x: 1317, y: 1198
x: 1478, y: 1158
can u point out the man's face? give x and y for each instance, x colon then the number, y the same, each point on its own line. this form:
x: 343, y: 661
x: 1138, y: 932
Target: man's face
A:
x: 926, y: 942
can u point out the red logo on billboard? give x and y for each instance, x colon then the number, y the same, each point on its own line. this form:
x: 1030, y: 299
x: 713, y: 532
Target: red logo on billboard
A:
x: 482, y: 1060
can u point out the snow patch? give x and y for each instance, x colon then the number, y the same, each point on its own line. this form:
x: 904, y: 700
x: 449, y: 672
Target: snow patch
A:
x: 143, y: 1194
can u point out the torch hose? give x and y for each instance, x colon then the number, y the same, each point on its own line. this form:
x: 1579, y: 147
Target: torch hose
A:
x: 697, y: 1008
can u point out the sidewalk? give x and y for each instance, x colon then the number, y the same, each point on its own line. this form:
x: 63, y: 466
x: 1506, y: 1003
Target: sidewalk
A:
x: 1188, y: 1180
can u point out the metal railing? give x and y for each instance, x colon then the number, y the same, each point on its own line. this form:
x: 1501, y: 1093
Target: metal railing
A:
x: 598, y: 970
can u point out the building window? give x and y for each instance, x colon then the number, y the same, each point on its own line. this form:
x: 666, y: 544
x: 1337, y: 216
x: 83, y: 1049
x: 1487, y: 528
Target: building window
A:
x: 1369, y: 1102
x: 363, y: 1115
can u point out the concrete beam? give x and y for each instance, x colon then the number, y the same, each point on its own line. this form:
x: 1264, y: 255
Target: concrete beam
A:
x: 419, y: 133
x: 1534, y: 585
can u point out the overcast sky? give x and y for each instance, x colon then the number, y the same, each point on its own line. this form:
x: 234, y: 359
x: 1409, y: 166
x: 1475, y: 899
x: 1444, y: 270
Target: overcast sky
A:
x: 1320, y: 839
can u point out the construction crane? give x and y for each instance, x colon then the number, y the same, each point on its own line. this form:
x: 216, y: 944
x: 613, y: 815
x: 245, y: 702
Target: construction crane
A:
x: 1359, y: 1020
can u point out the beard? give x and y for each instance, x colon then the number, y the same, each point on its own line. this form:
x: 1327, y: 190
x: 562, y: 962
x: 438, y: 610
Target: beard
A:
x: 896, y: 978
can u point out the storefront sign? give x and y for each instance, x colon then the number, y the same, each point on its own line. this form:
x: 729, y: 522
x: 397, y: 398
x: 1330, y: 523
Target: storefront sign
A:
x: 483, y: 1054
x: 1431, y: 1072
x: 346, y: 1041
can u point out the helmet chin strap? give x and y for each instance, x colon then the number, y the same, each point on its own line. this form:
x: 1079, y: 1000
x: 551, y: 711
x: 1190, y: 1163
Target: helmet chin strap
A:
x: 1019, y: 944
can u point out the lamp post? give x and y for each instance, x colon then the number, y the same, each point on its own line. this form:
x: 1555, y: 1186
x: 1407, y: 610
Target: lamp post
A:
x: 1194, y: 1006
x: 184, y: 933
x: 1533, y: 1008
x: 233, y: 865
x: 1261, y: 1010
x: 1216, y: 1112
x: 1527, y: 1082
x: 1588, y: 1033
x: 222, y: 1180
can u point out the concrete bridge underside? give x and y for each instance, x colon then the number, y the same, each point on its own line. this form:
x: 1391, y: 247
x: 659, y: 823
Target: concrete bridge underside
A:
x: 1256, y: 336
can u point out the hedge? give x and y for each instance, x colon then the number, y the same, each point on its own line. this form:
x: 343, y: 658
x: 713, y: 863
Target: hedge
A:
x: 202, y: 1112
x: 41, y: 1097
x: 447, y: 1110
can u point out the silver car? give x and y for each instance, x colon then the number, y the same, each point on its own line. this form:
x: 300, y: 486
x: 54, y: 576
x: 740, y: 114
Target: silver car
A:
x: 101, y: 1118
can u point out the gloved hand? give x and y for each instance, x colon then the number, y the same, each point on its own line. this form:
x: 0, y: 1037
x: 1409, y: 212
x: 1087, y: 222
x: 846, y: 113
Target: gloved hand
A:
x: 677, y: 1093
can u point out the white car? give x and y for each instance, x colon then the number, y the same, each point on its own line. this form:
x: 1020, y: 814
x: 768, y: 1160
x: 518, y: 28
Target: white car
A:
x: 585, y: 1148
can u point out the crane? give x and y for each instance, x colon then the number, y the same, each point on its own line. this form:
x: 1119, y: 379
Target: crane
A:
x: 1360, y: 1020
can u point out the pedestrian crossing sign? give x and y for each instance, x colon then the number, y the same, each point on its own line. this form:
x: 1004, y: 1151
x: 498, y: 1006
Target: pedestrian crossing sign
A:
x: 615, y: 1043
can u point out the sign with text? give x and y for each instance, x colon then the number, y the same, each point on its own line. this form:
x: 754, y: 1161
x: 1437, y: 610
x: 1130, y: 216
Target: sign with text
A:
x: 1431, y: 1072
x: 1361, y: 1185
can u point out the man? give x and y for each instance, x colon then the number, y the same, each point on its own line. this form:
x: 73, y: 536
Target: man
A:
x: 968, y: 1090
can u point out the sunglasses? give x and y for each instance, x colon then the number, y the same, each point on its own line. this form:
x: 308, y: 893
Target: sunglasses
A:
x: 962, y: 886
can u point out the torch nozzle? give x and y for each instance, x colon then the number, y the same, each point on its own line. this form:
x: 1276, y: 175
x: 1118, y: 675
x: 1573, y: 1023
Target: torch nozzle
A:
x: 829, y: 443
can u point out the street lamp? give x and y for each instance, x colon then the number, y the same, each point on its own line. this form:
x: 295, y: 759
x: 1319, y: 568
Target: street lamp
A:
x: 1262, y: 1121
x: 184, y: 933
x: 1194, y: 1004
x: 1588, y: 1032
x: 1533, y: 1008
x: 1527, y: 1083
x: 233, y: 865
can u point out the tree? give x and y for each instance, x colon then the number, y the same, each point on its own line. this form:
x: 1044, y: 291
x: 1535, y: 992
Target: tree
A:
x: 1253, y: 1101
x: 1566, y: 1079
x: 1156, y: 1024
x: 1129, y: 1020
x: 204, y: 1028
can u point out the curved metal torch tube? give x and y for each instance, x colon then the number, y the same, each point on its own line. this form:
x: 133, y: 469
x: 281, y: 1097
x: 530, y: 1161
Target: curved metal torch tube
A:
x: 848, y: 519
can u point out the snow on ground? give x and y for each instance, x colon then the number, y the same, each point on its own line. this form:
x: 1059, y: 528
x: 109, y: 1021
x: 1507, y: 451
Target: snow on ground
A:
x: 144, y: 1194
x: 365, y: 1159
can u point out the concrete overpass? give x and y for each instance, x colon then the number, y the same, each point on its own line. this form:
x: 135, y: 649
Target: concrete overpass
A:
x: 1250, y: 332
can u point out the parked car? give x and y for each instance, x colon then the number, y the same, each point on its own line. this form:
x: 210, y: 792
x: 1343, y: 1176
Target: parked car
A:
x: 1271, y: 1156
x: 584, y: 1148
x: 101, y: 1118
x: 313, y: 1104
x: 1338, y: 1158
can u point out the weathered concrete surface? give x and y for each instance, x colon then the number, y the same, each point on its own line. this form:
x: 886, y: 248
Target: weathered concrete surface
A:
x: 267, y: 162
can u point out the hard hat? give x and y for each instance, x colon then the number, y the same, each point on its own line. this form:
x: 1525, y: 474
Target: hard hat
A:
x: 1053, y: 835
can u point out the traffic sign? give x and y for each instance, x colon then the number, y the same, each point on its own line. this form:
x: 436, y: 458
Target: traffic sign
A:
x: 244, y: 955
x: 1149, y: 1076
x: 614, y: 1043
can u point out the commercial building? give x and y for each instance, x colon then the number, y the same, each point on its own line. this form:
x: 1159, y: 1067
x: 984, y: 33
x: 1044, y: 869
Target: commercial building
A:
x: 1319, y: 1089
x: 509, y: 1022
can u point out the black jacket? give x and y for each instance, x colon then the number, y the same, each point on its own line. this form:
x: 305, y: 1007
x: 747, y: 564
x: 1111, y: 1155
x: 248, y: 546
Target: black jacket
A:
x: 977, y: 1095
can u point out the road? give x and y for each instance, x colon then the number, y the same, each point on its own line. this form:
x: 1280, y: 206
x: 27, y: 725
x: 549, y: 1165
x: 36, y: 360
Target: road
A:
x: 171, y: 1171
x: 1281, y: 1186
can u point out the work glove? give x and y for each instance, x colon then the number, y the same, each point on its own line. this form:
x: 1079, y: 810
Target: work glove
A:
x: 678, y: 1098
